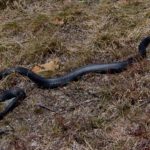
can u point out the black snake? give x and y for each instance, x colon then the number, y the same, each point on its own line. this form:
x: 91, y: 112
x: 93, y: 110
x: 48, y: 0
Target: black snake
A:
x: 17, y: 94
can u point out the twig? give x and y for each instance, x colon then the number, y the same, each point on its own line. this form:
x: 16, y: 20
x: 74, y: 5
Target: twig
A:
x: 88, y: 144
x: 42, y: 106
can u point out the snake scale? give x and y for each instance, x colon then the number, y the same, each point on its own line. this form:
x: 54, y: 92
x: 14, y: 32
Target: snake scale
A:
x: 18, y: 94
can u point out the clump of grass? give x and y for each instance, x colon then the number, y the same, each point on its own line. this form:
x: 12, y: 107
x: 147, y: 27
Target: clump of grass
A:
x: 56, y: 130
x: 97, y: 122
x: 123, y: 109
x: 89, y: 2
x: 4, y: 3
x: 71, y: 14
x: 42, y: 48
x: 12, y: 27
x: 8, y: 53
x: 2, y: 48
x: 11, y: 3
x: 41, y: 21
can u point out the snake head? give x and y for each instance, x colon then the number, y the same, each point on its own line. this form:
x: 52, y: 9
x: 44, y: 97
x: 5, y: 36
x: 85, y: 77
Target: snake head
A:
x: 14, y: 96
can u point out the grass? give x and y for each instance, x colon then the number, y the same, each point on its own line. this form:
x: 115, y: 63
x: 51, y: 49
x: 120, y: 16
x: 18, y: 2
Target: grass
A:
x: 98, y: 111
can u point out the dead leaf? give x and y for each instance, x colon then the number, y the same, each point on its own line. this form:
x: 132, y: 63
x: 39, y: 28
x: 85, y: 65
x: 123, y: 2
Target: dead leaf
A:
x: 48, y: 68
x: 57, y: 21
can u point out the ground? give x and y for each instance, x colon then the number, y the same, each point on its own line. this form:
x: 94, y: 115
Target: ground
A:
x: 97, y: 112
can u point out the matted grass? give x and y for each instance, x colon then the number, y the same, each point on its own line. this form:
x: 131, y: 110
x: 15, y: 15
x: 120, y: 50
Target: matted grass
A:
x: 97, y: 112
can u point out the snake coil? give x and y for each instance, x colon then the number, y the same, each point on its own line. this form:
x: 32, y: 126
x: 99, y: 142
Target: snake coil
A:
x: 18, y: 94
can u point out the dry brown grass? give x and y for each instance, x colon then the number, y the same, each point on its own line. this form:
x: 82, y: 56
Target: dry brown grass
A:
x: 103, y: 112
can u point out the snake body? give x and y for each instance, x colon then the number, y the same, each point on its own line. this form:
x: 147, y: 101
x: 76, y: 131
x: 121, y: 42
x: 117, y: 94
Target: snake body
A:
x: 18, y: 94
